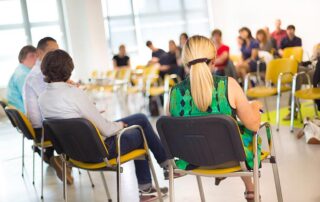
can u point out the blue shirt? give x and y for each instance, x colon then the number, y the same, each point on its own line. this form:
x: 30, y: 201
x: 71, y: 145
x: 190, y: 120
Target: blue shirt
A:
x: 15, y: 86
x: 246, y: 50
x: 287, y: 42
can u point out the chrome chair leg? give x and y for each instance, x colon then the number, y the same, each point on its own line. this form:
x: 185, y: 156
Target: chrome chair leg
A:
x: 34, y: 150
x: 299, y: 109
x: 154, y: 175
x: 292, y: 112
x: 171, y: 183
x: 92, y: 185
x: 315, y: 109
x: 278, y: 111
x: 105, y: 186
x: 42, y: 172
x: 277, y: 181
x: 256, y: 170
x: 118, y: 182
x: 65, y: 191
x: 22, y: 155
x: 200, y: 189
x: 267, y: 108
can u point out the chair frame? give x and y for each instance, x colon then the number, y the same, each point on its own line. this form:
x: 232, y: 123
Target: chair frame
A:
x: 255, y: 173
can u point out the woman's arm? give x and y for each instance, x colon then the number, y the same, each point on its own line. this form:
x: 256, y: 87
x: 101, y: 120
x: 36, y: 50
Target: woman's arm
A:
x: 248, y: 112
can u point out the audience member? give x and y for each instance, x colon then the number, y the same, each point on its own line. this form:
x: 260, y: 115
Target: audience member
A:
x: 249, y: 51
x: 156, y: 53
x: 63, y: 101
x: 168, y: 61
x: 208, y: 94
x: 183, y: 39
x: 121, y: 60
x: 222, y: 56
x: 27, y: 59
x: 278, y: 34
x: 265, y: 44
x: 291, y: 40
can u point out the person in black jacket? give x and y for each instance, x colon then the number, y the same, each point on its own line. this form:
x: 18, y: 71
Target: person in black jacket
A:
x: 316, y: 80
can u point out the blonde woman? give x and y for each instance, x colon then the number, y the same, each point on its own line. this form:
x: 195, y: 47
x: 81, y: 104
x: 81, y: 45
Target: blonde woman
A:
x: 202, y: 94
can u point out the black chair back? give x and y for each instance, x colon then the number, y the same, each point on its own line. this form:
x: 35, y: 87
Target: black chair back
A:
x: 20, y: 121
x: 4, y: 105
x: 78, y: 138
x: 202, y: 141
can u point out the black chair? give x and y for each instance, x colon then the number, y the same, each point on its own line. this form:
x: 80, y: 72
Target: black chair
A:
x: 210, y: 142
x: 4, y: 104
x: 81, y: 145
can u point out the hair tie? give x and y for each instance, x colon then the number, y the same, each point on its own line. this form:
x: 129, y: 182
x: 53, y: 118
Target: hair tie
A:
x: 199, y: 60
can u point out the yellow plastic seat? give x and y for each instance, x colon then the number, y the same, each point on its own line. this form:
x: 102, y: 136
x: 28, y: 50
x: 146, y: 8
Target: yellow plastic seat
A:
x: 293, y: 53
x: 308, y: 94
x: 156, y: 91
x: 263, y: 91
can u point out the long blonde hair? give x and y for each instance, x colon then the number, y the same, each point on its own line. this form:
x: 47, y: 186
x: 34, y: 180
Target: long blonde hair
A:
x: 196, y: 54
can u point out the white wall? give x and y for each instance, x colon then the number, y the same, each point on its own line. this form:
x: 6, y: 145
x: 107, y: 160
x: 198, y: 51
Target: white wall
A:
x: 86, y: 36
x: 230, y: 15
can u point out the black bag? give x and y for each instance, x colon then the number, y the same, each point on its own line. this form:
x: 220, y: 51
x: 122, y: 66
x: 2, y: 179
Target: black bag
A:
x: 153, y: 106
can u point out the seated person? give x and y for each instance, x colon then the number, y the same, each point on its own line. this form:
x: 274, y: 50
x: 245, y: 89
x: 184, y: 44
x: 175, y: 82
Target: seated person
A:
x: 278, y: 34
x: 265, y: 44
x: 291, y: 40
x: 169, y: 61
x: 27, y: 59
x: 121, y: 60
x: 222, y: 56
x: 61, y: 100
x: 249, y: 51
x: 156, y: 53
x: 199, y: 88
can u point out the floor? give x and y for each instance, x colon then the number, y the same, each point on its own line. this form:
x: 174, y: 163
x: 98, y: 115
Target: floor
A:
x: 299, y: 166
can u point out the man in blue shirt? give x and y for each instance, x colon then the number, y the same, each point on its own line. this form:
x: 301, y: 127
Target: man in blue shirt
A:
x: 291, y: 40
x: 27, y: 59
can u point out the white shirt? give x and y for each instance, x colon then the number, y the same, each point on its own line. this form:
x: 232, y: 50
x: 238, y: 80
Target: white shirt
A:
x: 64, y: 101
x: 33, y: 87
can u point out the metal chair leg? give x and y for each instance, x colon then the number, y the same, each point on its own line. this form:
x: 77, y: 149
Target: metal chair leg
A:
x: 292, y: 113
x: 267, y: 108
x: 171, y: 183
x: 154, y: 175
x: 256, y: 170
x: 200, y: 189
x: 299, y: 110
x: 22, y: 155
x: 34, y: 150
x: 65, y: 191
x: 277, y: 182
x: 42, y: 172
x: 278, y: 111
x: 118, y: 182
x: 92, y: 185
x: 105, y: 186
x: 315, y: 109
x: 80, y: 171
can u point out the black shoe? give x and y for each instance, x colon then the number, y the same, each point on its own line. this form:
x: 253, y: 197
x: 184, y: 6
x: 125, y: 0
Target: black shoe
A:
x: 218, y: 180
x: 153, y: 191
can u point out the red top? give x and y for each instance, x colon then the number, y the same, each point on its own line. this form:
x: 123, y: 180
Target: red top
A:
x: 220, y: 50
x: 278, y: 36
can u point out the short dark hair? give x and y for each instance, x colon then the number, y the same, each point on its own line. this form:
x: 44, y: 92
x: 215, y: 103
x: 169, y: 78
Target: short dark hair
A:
x: 246, y: 29
x: 25, y: 50
x: 185, y: 35
x: 216, y: 31
x: 291, y: 27
x: 42, y: 44
x: 148, y: 43
x: 57, y: 66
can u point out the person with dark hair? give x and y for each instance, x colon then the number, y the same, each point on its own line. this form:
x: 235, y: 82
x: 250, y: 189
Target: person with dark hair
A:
x: 265, y: 44
x: 27, y: 59
x: 278, y: 34
x: 291, y: 40
x: 249, y: 50
x: 183, y: 39
x: 121, y: 60
x: 222, y: 55
x: 156, y: 52
x: 63, y: 101
x: 32, y: 89
x: 169, y: 61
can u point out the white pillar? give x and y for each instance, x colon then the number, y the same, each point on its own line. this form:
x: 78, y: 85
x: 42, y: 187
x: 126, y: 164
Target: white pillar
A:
x: 86, y: 36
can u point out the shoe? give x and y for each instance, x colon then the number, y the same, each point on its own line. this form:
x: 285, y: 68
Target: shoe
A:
x: 56, y: 162
x: 153, y: 191
x: 218, y: 180
x: 288, y: 117
x: 175, y: 175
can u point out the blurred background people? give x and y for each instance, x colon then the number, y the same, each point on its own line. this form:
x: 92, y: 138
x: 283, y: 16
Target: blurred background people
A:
x: 121, y: 60
x: 222, y: 55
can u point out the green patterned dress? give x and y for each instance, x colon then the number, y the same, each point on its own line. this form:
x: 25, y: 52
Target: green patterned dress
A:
x: 182, y: 105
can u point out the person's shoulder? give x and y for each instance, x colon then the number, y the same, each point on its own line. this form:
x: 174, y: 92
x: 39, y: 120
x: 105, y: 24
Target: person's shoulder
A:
x: 115, y: 57
x: 225, y: 47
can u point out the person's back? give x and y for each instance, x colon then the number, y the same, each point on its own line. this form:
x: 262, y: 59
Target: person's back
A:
x: 27, y: 58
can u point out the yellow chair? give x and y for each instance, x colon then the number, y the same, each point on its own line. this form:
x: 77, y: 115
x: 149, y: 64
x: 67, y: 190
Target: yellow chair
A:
x: 235, y: 58
x: 89, y: 152
x: 279, y: 75
x: 309, y: 93
x: 24, y: 126
x: 214, y: 146
x: 294, y: 53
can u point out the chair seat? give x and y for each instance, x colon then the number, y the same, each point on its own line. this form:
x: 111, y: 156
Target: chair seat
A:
x: 95, y: 166
x: 133, y: 90
x: 308, y: 94
x: 156, y: 91
x: 263, y: 91
x: 45, y: 144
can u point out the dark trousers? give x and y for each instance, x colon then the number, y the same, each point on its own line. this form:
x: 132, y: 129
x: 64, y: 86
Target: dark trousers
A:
x: 132, y: 140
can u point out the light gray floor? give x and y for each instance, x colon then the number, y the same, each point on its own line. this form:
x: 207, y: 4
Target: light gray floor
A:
x: 299, y: 167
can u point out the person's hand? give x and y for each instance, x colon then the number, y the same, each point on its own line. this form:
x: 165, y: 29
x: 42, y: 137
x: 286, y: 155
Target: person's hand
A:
x: 256, y: 105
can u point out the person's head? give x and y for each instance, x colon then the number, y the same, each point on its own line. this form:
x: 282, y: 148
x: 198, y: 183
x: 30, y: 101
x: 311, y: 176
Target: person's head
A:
x: 277, y: 24
x: 198, y: 55
x: 45, y: 45
x: 28, y: 56
x: 267, y: 30
x: 57, y: 66
x: 245, y: 33
x: 172, y: 46
x: 122, y: 50
x: 291, y: 31
x: 149, y: 44
x: 261, y: 36
x: 216, y: 35
x: 183, y: 39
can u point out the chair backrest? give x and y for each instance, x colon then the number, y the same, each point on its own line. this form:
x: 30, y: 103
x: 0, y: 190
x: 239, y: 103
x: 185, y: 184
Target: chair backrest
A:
x: 201, y: 141
x: 78, y: 138
x: 283, y: 65
x: 21, y: 122
x: 293, y: 53
x: 124, y: 74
